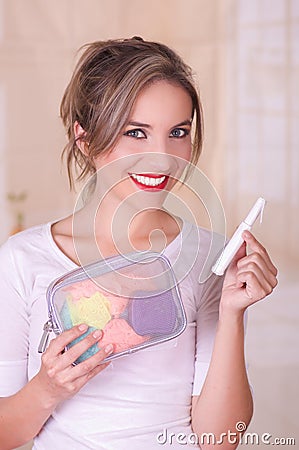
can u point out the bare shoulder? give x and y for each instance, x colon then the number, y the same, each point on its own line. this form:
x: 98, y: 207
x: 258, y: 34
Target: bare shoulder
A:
x: 62, y: 228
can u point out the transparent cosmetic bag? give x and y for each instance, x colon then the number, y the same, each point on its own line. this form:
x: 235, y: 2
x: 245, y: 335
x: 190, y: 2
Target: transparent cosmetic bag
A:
x: 134, y: 299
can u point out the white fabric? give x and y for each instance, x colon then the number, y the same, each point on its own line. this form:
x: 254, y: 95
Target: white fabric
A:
x: 136, y: 397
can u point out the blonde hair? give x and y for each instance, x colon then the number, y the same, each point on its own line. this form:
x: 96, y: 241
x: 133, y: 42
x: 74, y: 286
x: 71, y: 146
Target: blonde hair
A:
x: 105, y: 84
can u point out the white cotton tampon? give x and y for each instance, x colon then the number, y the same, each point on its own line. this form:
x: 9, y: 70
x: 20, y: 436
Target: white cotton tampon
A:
x: 236, y: 240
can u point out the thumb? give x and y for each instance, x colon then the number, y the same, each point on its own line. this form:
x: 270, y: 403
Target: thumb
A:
x: 231, y: 272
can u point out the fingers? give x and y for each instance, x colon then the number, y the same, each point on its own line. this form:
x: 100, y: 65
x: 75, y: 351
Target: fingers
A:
x: 56, y: 361
x: 253, y: 279
x: 63, y: 360
x: 58, y: 345
x: 257, y: 247
x: 87, y: 369
x: 256, y: 264
x: 233, y: 267
x: 60, y: 377
x: 249, y: 278
x: 73, y: 378
x: 256, y: 272
x: 80, y: 346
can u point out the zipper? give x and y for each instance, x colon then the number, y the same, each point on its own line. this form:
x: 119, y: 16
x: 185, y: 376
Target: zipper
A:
x: 48, y: 328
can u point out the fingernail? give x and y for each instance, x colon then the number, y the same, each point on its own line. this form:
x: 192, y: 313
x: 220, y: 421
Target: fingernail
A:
x: 109, y: 348
x: 83, y: 327
x: 96, y: 334
x: 246, y: 234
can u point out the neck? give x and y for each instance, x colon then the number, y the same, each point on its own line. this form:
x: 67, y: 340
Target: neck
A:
x: 113, y: 227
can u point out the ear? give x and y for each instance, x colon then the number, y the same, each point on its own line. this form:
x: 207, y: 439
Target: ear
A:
x: 79, y: 134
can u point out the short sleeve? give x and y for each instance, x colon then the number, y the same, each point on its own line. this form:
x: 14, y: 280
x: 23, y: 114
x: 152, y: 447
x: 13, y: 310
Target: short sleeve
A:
x: 14, y: 326
x: 209, y: 294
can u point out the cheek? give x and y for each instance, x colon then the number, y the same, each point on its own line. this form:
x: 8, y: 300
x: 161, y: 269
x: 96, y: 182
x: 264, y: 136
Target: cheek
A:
x: 188, y: 154
x: 183, y: 151
x: 120, y: 156
x: 107, y: 161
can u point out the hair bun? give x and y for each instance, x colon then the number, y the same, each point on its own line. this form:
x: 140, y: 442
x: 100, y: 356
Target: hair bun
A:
x: 137, y: 38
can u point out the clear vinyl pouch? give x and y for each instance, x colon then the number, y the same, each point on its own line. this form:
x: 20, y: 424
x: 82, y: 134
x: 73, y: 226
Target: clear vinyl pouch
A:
x: 134, y: 299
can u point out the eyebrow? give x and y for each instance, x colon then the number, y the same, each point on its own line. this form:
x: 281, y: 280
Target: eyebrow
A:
x: 146, y: 125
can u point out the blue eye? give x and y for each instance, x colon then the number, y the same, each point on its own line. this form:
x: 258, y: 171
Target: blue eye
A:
x: 135, y: 133
x: 179, y: 132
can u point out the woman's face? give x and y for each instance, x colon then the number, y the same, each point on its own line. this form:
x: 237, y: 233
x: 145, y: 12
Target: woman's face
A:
x: 155, y: 146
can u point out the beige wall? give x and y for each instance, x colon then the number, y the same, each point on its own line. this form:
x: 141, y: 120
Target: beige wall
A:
x: 37, y: 54
x: 245, y: 55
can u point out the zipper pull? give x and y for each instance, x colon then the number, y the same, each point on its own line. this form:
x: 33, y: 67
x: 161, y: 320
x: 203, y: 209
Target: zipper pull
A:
x: 48, y: 327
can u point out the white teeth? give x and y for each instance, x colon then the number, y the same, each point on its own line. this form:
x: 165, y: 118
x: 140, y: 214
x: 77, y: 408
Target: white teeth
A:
x: 148, y: 181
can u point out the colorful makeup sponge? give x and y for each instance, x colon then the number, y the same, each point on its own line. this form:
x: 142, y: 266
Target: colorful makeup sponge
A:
x: 117, y: 305
x: 84, y: 288
x: 67, y: 323
x: 94, y: 310
x: 90, y: 351
x: 88, y: 288
x: 119, y: 333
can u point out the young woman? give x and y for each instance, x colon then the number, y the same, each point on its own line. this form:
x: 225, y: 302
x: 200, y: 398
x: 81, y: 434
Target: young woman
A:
x: 128, y: 111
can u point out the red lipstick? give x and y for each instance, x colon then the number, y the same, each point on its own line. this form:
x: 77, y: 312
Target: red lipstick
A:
x: 149, y: 182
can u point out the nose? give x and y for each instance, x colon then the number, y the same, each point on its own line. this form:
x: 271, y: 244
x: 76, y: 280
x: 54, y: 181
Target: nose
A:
x: 159, y: 162
x: 160, y: 145
x: 160, y: 157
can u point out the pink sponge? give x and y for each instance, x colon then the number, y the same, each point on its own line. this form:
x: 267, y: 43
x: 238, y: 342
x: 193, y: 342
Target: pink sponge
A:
x: 117, y: 305
x: 119, y: 333
x: 84, y: 288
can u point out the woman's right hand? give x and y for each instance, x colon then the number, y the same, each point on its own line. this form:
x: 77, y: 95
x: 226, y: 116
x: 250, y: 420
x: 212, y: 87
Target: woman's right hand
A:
x: 58, y: 377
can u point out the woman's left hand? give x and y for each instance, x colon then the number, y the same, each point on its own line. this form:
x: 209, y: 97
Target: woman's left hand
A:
x: 249, y: 278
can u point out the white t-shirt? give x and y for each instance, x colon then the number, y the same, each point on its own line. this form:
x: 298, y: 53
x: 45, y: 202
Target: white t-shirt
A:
x: 138, y: 400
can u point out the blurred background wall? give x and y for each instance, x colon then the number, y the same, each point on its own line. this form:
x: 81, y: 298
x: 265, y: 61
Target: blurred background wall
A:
x: 245, y: 55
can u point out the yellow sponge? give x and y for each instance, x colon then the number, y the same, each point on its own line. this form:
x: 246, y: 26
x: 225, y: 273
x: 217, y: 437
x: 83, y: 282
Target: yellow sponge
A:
x: 94, y: 310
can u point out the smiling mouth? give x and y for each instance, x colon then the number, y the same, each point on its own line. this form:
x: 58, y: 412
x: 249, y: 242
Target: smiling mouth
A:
x: 149, y: 181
